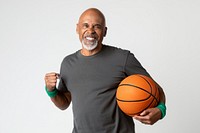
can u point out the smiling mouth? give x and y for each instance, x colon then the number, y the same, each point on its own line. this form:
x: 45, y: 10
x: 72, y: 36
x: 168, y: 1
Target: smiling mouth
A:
x: 90, y: 38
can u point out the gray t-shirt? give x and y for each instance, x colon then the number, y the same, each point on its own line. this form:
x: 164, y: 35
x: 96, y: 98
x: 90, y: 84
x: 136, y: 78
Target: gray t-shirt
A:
x: 92, y: 81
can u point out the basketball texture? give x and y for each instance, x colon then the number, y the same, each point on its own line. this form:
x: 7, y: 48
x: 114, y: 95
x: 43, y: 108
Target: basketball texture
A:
x: 136, y: 93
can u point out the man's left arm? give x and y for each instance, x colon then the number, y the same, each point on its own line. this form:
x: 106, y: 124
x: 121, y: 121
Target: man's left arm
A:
x: 152, y: 115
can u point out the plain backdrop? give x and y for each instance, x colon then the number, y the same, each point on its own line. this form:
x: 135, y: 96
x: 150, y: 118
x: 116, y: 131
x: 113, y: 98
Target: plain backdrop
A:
x: 35, y: 36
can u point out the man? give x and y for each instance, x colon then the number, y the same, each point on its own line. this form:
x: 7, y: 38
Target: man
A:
x: 89, y: 78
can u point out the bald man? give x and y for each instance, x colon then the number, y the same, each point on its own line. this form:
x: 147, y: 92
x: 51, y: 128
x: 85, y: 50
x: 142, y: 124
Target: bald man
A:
x: 89, y: 79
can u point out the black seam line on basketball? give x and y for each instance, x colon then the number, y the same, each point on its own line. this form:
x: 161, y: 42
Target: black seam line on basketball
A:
x: 147, y: 82
x: 132, y: 100
x: 143, y: 109
x: 147, y: 92
x: 150, y: 86
x: 137, y: 87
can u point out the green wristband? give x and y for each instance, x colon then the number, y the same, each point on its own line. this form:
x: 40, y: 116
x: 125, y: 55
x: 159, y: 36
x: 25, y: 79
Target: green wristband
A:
x: 162, y: 108
x: 51, y: 93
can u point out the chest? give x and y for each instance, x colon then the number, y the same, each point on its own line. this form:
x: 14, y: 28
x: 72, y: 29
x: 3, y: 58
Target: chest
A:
x: 93, y: 75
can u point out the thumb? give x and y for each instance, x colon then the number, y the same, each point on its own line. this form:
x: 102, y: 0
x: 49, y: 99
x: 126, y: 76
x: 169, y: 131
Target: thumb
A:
x: 145, y: 112
x: 57, y: 75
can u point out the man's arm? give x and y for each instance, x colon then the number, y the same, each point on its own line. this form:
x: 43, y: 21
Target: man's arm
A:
x: 62, y: 99
x: 152, y: 115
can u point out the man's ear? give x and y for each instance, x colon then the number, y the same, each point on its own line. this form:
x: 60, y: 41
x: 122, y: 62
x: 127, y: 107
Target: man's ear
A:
x: 77, y: 29
x: 105, y: 31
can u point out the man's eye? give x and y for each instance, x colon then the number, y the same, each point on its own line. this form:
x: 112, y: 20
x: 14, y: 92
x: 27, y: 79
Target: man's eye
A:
x: 97, y: 26
x: 85, y: 25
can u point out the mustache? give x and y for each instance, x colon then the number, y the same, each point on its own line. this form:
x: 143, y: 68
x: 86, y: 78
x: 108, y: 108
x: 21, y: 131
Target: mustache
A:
x: 91, y: 35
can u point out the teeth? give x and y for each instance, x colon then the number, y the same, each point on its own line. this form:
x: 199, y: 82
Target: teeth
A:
x: 89, y: 38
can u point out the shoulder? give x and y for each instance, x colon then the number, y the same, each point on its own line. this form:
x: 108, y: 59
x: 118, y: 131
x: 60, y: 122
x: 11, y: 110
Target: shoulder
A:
x: 70, y: 57
x: 116, y: 50
x: 116, y: 54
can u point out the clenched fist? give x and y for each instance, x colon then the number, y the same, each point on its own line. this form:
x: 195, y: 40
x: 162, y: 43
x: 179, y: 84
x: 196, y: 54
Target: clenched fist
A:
x: 51, y: 80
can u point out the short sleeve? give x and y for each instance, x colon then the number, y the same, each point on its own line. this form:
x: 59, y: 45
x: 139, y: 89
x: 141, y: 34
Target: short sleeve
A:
x: 133, y: 66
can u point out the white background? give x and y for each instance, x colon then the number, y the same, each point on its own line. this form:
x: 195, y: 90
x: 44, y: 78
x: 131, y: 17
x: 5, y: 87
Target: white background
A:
x: 35, y: 35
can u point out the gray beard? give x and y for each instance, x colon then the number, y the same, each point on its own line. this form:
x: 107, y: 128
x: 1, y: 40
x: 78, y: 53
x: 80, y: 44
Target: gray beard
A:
x: 90, y: 46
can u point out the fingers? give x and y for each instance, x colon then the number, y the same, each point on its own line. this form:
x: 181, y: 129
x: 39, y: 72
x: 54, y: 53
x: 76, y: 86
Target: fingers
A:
x: 143, y: 117
x: 51, y: 80
x: 144, y: 113
x: 149, y: 116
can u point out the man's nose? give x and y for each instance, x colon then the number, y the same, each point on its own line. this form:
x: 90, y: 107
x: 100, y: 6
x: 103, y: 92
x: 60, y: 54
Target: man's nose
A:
x: 91, y: 30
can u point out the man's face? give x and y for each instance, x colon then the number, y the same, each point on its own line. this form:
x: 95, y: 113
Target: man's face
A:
x: 91, y: 29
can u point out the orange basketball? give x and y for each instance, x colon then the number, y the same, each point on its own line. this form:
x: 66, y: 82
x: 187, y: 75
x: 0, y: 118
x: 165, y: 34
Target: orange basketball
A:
x: 137, y: 93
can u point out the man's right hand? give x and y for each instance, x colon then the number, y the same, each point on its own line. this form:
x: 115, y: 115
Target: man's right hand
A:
x: 51, y: 80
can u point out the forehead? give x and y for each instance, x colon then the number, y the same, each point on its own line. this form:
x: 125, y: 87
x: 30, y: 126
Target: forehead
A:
x: 92, y: 16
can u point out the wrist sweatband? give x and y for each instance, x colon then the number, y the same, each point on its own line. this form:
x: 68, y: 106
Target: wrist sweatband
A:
x: 162, y: 108
x: 51, y: 93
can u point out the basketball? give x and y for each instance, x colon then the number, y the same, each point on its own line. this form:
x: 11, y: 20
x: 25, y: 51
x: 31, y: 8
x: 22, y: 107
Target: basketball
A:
x: 137, y: 93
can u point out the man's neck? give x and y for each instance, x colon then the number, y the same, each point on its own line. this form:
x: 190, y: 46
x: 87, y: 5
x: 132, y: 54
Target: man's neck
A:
x: 85, y: 52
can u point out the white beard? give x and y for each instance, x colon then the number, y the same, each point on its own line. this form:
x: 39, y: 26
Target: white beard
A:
x: 90, y: 46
